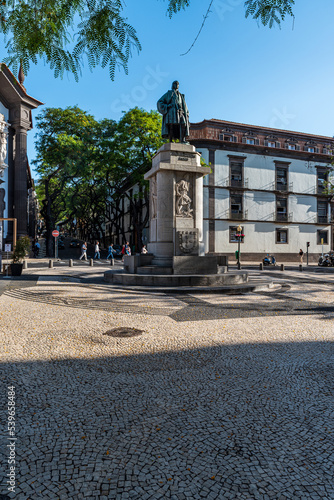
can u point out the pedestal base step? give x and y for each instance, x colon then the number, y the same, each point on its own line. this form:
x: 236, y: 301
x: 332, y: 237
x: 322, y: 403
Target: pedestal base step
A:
x: 174, y: 280
x: 157, y: 270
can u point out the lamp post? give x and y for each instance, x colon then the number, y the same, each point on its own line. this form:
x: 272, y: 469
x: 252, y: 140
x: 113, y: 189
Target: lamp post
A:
x: 239, y: 237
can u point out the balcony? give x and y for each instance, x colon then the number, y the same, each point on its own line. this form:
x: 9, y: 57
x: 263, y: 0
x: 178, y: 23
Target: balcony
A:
x: 240, y: 215
x: 323, y: 219
x: 283, y: 217
x: 284, y: 187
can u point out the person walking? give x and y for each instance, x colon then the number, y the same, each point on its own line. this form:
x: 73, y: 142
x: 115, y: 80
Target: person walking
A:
x: 97, y: 250
x: 127, y: 248
x: 83, y: 251
x: 123, y: 252
x: 301, y: 254
x: 111, y: 252
x: 36, y: 249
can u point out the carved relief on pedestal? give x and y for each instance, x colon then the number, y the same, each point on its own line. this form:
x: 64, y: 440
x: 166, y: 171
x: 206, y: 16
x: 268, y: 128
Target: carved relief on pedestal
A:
x: 187, y: 242
x: 183, y: 200
x: 153, y: 197
x: 3, y: 144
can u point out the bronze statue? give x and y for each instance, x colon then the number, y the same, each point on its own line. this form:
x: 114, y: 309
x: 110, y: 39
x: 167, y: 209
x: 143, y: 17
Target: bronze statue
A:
x: 175, y: 114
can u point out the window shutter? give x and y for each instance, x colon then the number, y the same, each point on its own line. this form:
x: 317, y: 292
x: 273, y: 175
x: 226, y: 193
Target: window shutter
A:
x: 325, y: 151
x: 266, y: 143
x: 297, y: 147
x: 257, y: 142
x: 235, y: 138
x: 221, y: 137
x: 278, y: 144
x: 244, y: 139
x: 305, y: 148
x: 317, y: 150
x: 286, y: 145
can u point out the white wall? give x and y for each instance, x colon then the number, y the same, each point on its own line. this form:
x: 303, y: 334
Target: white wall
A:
x: 261, y: 206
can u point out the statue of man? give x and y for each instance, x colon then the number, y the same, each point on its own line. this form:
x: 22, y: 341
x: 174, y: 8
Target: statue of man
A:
x: 175, y: 114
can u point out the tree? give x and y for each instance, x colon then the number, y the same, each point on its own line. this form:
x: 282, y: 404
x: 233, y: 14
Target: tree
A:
x: 65, y: 154
x: 64, y: 32
x: 85, y: 165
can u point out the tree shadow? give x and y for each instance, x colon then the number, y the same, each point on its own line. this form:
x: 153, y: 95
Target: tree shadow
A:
x: 230, y: 421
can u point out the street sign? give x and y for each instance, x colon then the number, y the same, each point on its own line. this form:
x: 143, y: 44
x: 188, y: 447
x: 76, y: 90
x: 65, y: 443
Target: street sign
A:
x: 8, y: 247
x: 55, y: 233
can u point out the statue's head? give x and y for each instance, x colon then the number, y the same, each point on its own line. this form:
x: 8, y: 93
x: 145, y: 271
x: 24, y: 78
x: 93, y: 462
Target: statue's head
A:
x: 175, y: 85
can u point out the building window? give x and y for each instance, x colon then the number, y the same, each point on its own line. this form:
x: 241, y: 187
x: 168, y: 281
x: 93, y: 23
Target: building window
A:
x: 281, y: 178
x: 251, y: 140
x: 322, y: 237
x: 236, y: 206
x: 322, y: 179
x: 281, y: 209
x: 292, y: 147
x: 228, y: 137
x: 271, y: 144
x: 281, y: 236
x: 233, y: 232
x: 322, y: 212
x: 236, y: 173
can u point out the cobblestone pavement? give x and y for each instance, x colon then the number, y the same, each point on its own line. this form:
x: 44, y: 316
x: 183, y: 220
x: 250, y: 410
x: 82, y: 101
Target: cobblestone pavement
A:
x: 217, y: 397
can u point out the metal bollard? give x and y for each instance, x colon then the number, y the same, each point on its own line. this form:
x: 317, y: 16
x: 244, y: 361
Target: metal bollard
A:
x: 50, y: 264
x: 25, y: 264
x: 70, y: 263
x: 282, y: 267
x: 300, y: 267
x: 111, y: 262
x: 91, y: 262
x: 261, y: 266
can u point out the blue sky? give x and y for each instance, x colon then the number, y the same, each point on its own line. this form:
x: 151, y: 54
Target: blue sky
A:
x: 237, y: 70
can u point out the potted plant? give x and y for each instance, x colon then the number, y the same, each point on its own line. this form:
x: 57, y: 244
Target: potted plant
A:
x: 21, y: 248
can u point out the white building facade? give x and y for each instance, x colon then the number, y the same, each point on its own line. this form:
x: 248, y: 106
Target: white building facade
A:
x: 273, y: 183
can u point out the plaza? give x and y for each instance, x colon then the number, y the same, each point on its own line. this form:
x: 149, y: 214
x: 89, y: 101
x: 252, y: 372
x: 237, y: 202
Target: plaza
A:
x: 140, y: 395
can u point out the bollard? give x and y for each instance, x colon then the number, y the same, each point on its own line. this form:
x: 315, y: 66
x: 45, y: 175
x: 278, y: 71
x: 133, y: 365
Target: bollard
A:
x: 111, y: 262
x: 282, y: 267
x: 50, y: 264
x: 261, y: 266
x: 300, y: 267
x: 91, y: 262
x: 25, y: 264
x: 70, y: 263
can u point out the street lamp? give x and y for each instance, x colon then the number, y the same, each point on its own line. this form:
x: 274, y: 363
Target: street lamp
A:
x: 240, y: 236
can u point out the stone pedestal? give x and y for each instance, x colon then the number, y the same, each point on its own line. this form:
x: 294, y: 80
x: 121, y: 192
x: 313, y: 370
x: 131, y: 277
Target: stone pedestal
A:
x: 176, y: 203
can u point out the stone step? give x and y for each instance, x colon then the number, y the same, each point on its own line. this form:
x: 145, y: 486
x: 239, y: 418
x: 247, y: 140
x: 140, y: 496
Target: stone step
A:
x: 154, y: 270
x: 176, y: 280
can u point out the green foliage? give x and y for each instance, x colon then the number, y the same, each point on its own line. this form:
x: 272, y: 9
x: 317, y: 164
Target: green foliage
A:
x: 269, y: 11
x: 83, y: 164
x: 49, y: 30
x: 21, y: 248
x: 64, y: 33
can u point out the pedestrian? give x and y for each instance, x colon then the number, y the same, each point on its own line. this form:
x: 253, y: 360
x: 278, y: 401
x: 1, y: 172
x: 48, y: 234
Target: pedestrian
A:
x: 127, y: 248
x: 301, y: 253
x: 36, y: 249
x: 83, y: 251
x: 144, y: 250
x: 123, y: 252
x: 97, y: 250
x: 111, y: 252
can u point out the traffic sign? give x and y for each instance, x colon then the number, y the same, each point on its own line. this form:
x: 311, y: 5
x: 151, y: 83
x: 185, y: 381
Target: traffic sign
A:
x: 8, y: 247
x: 55, y: 233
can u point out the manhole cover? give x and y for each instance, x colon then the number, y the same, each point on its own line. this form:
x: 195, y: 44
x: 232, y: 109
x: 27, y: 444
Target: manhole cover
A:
x: 124, y: 332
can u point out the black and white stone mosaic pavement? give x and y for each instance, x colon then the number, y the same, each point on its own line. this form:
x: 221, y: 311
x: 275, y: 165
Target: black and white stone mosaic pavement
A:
x: 219, y: 397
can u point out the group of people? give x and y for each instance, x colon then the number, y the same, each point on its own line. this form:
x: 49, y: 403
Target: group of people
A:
x: 126, y: 250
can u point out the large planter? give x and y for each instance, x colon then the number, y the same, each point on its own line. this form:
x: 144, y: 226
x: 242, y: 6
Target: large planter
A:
x: 16, y: 269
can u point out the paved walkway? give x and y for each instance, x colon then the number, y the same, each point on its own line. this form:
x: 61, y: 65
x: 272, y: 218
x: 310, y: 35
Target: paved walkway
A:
x: 123, y: 395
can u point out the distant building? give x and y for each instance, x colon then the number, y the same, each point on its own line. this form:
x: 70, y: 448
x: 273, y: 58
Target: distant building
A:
x: 17, y: 198
x: 271, y: 182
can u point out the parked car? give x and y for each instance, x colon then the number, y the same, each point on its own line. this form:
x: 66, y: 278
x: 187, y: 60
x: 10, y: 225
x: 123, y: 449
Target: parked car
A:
x: 61, y: 245
x: 75, y: 244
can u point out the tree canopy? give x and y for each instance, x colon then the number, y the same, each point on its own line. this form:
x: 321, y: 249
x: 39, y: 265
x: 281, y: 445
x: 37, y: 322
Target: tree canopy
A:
x: 83, y: 165
x: 66, y: 32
